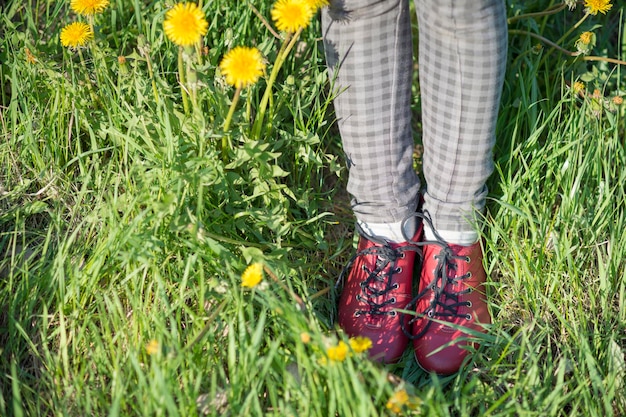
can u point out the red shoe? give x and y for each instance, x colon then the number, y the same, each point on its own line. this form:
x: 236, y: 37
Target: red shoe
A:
x: 377, y: 286
x: 451, y: 289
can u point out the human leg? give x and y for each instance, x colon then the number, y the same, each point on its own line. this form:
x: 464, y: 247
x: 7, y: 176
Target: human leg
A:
x: 369, y: 51
x: 461, y: 69
x: 462, y: 58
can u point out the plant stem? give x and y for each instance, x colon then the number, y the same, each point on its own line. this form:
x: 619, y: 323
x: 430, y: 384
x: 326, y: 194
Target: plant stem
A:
x: 90, y: 20
x: 151, y: 74
x: 542, y: 39
x: 565, y: 51
x: 144, y: 51
x: 604, y: 59
x: 93, y: 96
x: 198, y: 48
x: 248, y: 106
x: 550, y: 10
x: 229, y: 117
x: 573, y: 28
x: 263, y: 20
x: 192, y: 78
x: 231, y: 111
x: 287, y: 46
x: 182, y: 81
x: 562, y: 38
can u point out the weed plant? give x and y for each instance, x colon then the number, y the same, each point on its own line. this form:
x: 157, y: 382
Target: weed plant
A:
x: 169, y: 243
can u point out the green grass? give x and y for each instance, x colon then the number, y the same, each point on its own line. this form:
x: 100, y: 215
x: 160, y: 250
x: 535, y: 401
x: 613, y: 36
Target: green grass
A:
x: 124, y: 232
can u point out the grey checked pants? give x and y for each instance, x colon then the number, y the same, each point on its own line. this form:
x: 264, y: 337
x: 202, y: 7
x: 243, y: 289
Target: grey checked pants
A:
x: 462, y: 58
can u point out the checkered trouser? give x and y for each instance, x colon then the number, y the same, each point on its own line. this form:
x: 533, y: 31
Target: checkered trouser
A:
x: 462, y: 58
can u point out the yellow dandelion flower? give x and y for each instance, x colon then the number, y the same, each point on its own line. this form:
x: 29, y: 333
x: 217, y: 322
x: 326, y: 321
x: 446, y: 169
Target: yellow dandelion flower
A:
x: 185, y: 24
x: 242, y: 66
x: 30, y: 58
x: 338, y: 353
x: 578, y: 87
x: 88, y: 7
x: 152, y: 348
x: 317, y: 4
x: 618, y: 100
x: 252, y: 275
x: 595, y: 6
x: 585, y: 42
x: 305, y: 338
x: 397, y: 401
x: 585, y: 38
x: 291, y: 15
x: 76, y: 34
x: 360, y: 344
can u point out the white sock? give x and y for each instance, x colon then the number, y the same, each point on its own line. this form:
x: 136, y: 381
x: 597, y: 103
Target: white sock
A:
x: 452, y: 237
x: 391, y: 232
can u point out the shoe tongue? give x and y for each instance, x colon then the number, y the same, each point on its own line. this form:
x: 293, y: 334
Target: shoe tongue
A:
x: 387, y: 252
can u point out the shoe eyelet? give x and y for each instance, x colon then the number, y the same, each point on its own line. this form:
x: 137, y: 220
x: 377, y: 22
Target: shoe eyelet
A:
x: 395, y: 286
x: 357, y: 314
x: 364, y: 268
x: 469, y: 274
x: 402, y: 255
x: 430, y: 314
x: 468, y: 304
x: 392, y: 300
x: 468, y: 259
x: 359, y: 298
x: 393, y: 313
x: 468, y: 317
x: 398, y: 270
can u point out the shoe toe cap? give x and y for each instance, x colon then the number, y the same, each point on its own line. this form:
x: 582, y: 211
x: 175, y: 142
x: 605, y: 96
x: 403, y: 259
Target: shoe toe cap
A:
x: 436, y: 354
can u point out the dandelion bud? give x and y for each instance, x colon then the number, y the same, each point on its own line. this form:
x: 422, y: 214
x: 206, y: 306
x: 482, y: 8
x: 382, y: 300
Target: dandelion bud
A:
x: 121, y: 60
x: 586, y: 41
x: 537, y: 48
x: 305, y: 338
x: 30, y: 58
x: 578, y: 87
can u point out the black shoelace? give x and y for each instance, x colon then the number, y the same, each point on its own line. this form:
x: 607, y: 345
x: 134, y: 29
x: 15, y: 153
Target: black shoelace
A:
x: 445, y: 302
x: 379, y: 281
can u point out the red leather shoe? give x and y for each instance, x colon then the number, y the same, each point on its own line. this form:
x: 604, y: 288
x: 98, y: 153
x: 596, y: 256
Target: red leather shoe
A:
x: 451, y: 290
x: 378, y: 284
